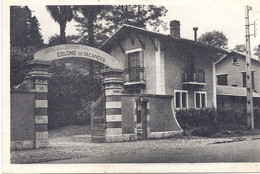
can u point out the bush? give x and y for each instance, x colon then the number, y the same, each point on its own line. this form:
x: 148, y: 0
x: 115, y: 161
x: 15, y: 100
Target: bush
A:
x: 209, y: 121
x: 257, y: 117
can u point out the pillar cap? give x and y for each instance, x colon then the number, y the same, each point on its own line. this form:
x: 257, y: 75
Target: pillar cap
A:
x: 38, y: 74
x: 39, y: 62
x: 112, y: 70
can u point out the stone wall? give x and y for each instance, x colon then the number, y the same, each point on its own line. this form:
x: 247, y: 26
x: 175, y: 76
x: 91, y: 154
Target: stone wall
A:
x: 22, y: 120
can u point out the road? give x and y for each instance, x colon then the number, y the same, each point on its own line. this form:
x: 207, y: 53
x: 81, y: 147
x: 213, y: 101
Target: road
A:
x: 241, y: 151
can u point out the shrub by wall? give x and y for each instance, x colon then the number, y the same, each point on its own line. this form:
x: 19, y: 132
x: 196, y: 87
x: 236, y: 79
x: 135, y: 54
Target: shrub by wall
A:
x: 208, y: 121
x: 257, y: 117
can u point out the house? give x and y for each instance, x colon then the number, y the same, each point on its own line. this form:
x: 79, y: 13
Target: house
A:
x: 166, y: 65
x: 161, y: 73
x: 231, y: 79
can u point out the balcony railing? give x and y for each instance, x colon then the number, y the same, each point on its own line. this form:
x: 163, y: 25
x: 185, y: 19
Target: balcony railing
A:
x: 134, y: 74
x: 193, y: 77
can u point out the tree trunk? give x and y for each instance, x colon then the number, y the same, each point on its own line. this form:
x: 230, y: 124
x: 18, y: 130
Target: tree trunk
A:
x: 91, y: 43
x: 62, y: 33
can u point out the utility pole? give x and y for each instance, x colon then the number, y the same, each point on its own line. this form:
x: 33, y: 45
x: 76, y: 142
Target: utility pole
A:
x: 250, y: 106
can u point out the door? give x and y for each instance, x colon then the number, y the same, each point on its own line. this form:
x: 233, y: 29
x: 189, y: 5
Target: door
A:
x: 141, y: 124
x: 144, y: 119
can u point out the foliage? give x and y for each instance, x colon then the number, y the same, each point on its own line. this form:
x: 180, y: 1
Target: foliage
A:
x: 24, y: 29
x: 257, y: 117
x: 25, y: 39
x: 137, y: 15
x: 61, y: 15
x: 240, y: 48
x: 70, y: 39
x: 19, y: 57
x: 107, y: 19
x: 206, y: 122
x: 70, y: 93
x: 88, y: 16
x: 214, y: 38
x: 257, y: 50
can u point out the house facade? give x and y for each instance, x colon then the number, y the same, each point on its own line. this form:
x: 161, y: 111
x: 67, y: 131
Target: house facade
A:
x: 231, y: 79
x: 166, y: 65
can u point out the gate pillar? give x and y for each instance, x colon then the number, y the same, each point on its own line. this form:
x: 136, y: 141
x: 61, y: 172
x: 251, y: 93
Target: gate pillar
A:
x: 37, y: 80
x: 113, y: 87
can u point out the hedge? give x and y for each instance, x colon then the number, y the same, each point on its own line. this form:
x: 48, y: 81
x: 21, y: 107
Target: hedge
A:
x: 209, y: 121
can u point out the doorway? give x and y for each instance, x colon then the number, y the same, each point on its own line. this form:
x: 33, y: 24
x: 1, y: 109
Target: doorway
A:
x: 141, y: 123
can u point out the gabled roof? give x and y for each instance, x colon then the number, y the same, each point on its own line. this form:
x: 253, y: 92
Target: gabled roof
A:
x: 121, y: 32
x: 253, y: 57
x: 233, y: 91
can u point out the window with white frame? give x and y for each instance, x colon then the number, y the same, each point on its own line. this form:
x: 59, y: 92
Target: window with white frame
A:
x: 200, y: 99
x: 134, y: 65
x: 181, y: 99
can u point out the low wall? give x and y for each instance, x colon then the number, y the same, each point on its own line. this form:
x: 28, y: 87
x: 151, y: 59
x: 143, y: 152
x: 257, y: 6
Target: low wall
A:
x: 128, y: 112
x: 22, y: 120
x: 161, y: 121
x: 162, y: 117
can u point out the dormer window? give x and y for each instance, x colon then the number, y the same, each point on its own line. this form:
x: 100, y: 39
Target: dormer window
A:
x: 235, y: 62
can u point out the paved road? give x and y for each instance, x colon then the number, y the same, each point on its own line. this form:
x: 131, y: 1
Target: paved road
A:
x: 242, y: 151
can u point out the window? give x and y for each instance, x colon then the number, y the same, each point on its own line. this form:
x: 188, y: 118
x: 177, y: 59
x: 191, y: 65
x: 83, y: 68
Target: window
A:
x: 235, y: 60
x: 222, y: 79
x: 181, y: 99
x: 244, y: 79
x: 200, y: 99
x: 134, y: 65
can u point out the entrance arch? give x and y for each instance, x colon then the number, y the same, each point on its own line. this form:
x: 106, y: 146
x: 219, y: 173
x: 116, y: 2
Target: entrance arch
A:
x: 77, y: 50
x: 36, y: 81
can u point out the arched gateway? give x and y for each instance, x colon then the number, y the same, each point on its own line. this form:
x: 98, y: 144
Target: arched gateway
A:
x: 36, y: 81
x: 77, y: 50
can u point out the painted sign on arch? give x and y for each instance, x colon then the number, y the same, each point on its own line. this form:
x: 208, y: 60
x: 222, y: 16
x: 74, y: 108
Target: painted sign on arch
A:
x: 77, y: 50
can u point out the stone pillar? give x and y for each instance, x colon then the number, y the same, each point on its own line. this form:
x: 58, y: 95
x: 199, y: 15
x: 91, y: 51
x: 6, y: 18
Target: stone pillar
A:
x: 113, y: 87
x: 38, y: 80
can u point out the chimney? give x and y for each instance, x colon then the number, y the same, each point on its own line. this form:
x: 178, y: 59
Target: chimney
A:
x: 175, y: 29
x: 195, y: 29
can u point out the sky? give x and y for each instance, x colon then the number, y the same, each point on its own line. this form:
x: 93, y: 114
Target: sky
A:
x: 227, y: 16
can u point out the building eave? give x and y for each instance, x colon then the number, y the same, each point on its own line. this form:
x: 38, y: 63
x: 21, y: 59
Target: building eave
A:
x: 121, y: 32
x: 237, y: 53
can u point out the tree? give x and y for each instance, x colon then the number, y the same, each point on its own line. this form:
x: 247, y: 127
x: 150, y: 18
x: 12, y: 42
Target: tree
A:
x: 257, y: 50
x: 25, y: 39
x: 70, y: 93
x: 90, y: 16
x: 99, y: 22
x: 214, y: 38
x: 61, y: 15
x: 24, y: 29
x: 137, y: 15
x: 240, y: 48
x: 70, y: 39
x: 35, y: 35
